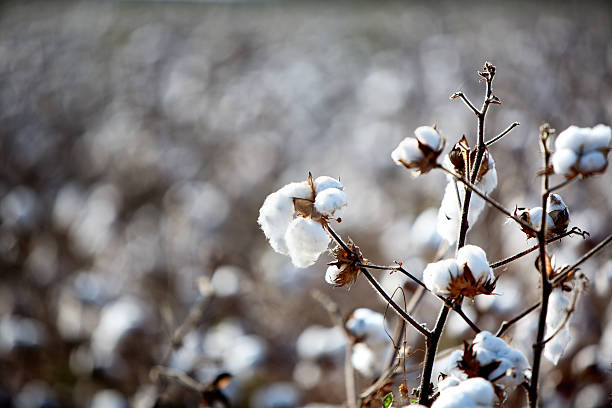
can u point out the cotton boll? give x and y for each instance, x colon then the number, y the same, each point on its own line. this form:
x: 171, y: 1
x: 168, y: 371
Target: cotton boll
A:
x: 332, y: 273
x: 535, y: 218
x: 592, y: 162
x: 324, y: 182
x: 563, y: 162
x: 449, y: 215
x: 365, y: 360
x: 407, y: 152
x: 330, y: 201
x: 476, y: 259
x: 599, y: 138
x: 572, y: 138
x: 449, y: 381
x: 556, y: 203
x: 558, y: 304
x: 275, y: 216
x: 368, y: 325
x: 297, y: 190
x: 429, y: 136
x: 306, y: 240
x: 471, y: 393
x: 489, y: 348
x: 489, y: 179
x: 437, y: 276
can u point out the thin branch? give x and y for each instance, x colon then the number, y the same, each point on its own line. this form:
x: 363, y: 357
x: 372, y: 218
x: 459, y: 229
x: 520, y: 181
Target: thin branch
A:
x: 505, y: 261
x: 330, y: 306
x: 506, y: 324
x: 488, y: 199
x: 568, y: 314
x: 545, y: 132
x: 349, y: 375
x: 561, y: 185
x: 467, y: 102
x: 394, y: 305
x: 459, y: 310
x: 379, y: 289
x: 561, y: 277
x: 502, y: 134
x: 178, y: 376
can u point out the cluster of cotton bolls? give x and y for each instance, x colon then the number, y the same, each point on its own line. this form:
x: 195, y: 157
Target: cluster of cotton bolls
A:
x: 469, y: 274
x: 368, y: 329
x: 557, y: 216
x: 581, y: 151
x: 449, y: 215
x: 488, y: 356
x: 293, y: 217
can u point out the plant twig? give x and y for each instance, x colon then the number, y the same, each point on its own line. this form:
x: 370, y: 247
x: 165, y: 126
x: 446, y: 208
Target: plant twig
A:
x: 502, y: 134
x: 459, y: 310
x: 561, y: 185
x: 465, y: 100
x: 545, y: 132
x: 349, y: 375
x: 506, y: 324
x: 505, y: 261
x: 562, y: 276
x: 486, y: 198
x: 178, y: 376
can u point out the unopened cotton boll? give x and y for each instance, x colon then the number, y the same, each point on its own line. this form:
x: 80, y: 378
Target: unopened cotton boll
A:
x: 330, y: 202
x: 438, y: 276
x: 306, y: 240
x: 471, y: 393
x: 475, y: 259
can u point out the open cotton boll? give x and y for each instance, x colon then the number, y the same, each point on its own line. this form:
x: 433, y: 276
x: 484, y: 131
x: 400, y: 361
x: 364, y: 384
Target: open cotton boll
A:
x: 563, y: 161
x: 513, y: 363
x: 476, y: 259
x: 297, y: 190
x: 365, y: 360
x: 438, y: 276
x: 275, y: 215
x: 535, y: 218
x: 306, y: 240
x: 489, y: 179
x: 449, y: 215
x: 333, y: 272
x: 600, y: 138
x: 471, y: 393
x: 330, y: 201
x: 592, y: 162
x: 407, y: 152
x: 449, y: 381
x: 368, y: 325
x: 429, y: 136
x: 324, y: 182
x: 572, y: 138
x: 558, y: 304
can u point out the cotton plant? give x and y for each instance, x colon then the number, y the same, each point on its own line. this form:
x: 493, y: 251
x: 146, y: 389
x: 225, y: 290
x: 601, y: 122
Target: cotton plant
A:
x: 582, y: 151
x: 294, y: 217
x: 297, y: 220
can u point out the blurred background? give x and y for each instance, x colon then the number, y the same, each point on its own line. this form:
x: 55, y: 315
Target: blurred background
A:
x: 139, y: 139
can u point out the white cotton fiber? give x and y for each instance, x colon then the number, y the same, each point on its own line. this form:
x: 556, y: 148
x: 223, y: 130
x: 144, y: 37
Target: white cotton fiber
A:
x: 407, y: 151
x: 437, y: 276
x: 471, y: 393
x: 571, y: 138
x: 429, y: 136
x: 324, y: 182
x: 592, y: 162
x: 513, y: 363
x: 600, y: 138
x: 368, y: 325
x: 330, y: 201
x: 274, y: 217
x: 476, y: 259
x: 306, y: 240
x: 558, y: 304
